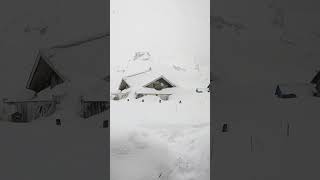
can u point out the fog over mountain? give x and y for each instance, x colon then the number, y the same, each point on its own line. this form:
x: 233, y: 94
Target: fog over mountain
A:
x: 172, y: 30
x: 265, y: 40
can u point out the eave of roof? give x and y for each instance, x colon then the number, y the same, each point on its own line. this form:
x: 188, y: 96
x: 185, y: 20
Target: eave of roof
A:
x: 47, y: 53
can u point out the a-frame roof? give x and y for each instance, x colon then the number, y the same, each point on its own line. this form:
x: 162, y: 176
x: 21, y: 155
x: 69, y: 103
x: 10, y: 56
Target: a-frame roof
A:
x: 161, y: 77
x: 145, y: 78
x: 316, y: 78
x: 180, y: 79
x: 77, y: 61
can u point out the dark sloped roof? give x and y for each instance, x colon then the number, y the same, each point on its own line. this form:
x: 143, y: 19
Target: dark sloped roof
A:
x: 79, y: 60
x: 316, y: 78
x: 300, y: 89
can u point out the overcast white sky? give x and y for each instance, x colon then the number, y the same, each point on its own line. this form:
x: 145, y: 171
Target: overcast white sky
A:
x: 178, y: 28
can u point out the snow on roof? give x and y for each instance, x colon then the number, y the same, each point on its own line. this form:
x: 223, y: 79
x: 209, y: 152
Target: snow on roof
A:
x: 48, y: 93
x: 45, y: 94
x: 22, y: 95
x: 137, y: 66
x: 95, y: 90
x: 85, y: 58
x: 300, y: 89
x: 185, y: 79
x: 142, y: 56
x: 139, y: 80
x: 142, y: 70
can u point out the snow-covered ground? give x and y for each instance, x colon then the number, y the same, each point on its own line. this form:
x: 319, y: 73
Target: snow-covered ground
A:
x: 167, y: 140
x: 35, y: 152
x: 41, y: 150
x: 248, y: 66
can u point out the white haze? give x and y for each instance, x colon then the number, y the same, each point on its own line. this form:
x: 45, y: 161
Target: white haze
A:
x: 169, y: 29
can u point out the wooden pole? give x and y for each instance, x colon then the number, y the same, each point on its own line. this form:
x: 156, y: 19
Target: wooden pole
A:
x: 251, y: 143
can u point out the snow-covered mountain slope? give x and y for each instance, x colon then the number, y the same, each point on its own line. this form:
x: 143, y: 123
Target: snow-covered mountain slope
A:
x: 259, y: 52
x: 19, y: 46
x: 42, y: 150
x: 269, y: 138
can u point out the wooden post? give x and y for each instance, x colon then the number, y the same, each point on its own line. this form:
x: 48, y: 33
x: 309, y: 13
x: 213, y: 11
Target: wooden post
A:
x: 105, y: 124
x: 251, y: 143
x: 225, y: 127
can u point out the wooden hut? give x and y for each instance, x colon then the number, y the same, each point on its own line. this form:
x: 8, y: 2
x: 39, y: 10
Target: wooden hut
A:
x: 146, y: 83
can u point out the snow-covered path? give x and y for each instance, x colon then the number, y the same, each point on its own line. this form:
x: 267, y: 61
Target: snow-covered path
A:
x: 165, y: 140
